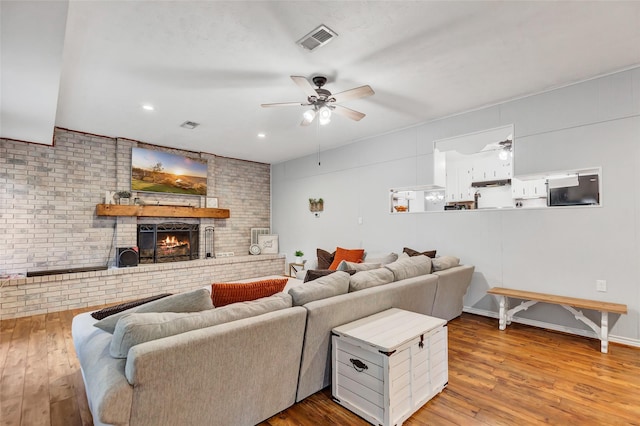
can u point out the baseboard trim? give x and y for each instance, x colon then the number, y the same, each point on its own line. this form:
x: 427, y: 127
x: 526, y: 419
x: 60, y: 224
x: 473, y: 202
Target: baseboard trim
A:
x: 555, y: 327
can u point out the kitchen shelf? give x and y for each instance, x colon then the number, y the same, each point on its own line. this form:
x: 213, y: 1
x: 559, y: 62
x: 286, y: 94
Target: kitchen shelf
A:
x: 160, y: 211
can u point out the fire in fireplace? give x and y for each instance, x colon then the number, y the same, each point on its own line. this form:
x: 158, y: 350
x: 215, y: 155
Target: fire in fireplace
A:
x: 168, y: 242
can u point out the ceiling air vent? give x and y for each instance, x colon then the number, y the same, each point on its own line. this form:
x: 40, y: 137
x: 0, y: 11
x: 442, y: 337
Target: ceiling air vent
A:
x: 318, y: 37
x: 190, y: 125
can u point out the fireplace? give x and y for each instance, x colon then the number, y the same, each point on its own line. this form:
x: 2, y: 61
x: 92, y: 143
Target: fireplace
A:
x: 168, y: 242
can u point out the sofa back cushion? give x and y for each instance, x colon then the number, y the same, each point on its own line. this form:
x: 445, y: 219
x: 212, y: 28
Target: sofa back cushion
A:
x: 136, y: 328
x: 410, y: 267
x: 226, y: 293
x: 371, y: 278
x: 328, y: 286
x: 190, y: 301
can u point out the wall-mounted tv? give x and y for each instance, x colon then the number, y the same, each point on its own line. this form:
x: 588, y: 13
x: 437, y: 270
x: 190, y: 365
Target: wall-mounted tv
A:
x: 158, y: 171
x: 586, y: 192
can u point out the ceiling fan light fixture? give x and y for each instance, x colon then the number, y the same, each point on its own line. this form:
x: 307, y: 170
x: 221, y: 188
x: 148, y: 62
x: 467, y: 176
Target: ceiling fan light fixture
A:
x: 324, y: 115
x: 308, y: 115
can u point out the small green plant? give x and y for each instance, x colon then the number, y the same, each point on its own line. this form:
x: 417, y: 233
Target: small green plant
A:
x: 123, y: 194
x: 299, y: 253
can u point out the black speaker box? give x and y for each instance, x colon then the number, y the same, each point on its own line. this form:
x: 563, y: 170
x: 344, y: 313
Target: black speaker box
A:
x: 127, y: 256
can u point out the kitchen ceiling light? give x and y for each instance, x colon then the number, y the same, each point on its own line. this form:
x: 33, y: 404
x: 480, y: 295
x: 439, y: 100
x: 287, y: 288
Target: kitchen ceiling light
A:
x: 148, y: 107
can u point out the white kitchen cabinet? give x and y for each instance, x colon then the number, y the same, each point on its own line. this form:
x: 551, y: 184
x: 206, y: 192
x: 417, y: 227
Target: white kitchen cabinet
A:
x: 532, y: 188
x: 459, y: 178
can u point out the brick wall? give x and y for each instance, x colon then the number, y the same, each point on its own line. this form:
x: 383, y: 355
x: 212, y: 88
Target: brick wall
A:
x: 51, y: 293
x: 48, y: 197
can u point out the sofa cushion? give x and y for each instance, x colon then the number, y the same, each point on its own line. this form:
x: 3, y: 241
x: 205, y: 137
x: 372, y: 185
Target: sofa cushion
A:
x: 314, y: 274
x: 371, y: 278
x: 322, y: 288
x: 136, y: 328
x: 110, y: 310
x: 410, y: 267
x: 226, y: 293
x: 412, y: 252
x: 191, y: 301
x: 324, y: 258
x: 353, y: 266
x: 444, y: 262
x: 351, y: 255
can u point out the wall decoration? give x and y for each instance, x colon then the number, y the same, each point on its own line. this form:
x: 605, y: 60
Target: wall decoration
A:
x: 158, y: 171
x: 268, y: 244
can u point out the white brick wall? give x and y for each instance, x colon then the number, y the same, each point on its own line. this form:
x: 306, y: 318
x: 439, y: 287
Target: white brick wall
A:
x: 48, y: 197
x: 52, y: 293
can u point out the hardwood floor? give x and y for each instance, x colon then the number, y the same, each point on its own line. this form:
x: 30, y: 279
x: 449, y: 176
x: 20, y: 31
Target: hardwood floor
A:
x: 521, y: 376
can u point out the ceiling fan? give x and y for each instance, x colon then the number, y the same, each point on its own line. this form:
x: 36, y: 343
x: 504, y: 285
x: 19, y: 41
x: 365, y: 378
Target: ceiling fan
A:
x: 324, y: 102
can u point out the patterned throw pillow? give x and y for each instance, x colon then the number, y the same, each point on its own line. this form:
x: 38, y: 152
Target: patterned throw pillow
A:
x: 226, y: 293
x: 412, y: 252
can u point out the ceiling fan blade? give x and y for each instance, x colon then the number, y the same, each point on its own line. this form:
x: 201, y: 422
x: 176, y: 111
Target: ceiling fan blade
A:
x: 309, y: 116
x: 283, y: 104
x: 347, y: 112
x: 357, y: 93
x: 304, y: 84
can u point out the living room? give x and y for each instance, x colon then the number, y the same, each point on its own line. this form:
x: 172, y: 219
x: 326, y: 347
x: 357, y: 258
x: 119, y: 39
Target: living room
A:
x: 50, y: 194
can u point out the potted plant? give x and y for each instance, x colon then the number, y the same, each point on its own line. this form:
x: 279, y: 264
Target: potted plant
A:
x: 299, y: 255
x: 123, y: 197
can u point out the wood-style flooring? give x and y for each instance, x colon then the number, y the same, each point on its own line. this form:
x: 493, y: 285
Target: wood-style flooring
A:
x: 521, y: 376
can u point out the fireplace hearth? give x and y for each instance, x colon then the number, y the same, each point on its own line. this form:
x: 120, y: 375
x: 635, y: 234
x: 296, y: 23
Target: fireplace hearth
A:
x: 168, y: 242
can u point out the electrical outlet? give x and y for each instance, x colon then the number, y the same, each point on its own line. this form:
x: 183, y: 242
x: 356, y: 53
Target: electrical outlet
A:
x: 359, y: 220
x: 601, y: 285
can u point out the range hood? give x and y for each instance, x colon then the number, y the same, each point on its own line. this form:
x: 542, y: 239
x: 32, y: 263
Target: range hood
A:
x: 486, y: 183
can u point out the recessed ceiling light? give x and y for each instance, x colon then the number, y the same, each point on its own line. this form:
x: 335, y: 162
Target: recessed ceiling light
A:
x: 262, y: 135
x: 148, y: 107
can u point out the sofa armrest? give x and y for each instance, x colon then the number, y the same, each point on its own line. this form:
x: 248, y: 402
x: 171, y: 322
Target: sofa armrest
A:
x: 452, y: 286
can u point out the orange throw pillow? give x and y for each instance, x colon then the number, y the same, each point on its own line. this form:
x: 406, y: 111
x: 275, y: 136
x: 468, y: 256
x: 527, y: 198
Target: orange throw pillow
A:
x: 353, y: 255
x: 226, y: 293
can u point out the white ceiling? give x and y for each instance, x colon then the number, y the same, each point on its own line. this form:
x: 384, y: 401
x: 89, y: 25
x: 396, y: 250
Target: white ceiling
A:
x: 91, y: 65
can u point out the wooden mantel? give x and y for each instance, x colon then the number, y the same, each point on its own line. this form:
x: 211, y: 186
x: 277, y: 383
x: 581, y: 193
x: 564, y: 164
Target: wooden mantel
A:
x: 160, y: 211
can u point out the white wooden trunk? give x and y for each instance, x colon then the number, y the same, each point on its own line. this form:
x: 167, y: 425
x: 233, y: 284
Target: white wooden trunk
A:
x: 388, y: 365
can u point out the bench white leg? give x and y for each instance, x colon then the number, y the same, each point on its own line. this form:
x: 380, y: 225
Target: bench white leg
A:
x: 503, y: 312
x: 604, y: 333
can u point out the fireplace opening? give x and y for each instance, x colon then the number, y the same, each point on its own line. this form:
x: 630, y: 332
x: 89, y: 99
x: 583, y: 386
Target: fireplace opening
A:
x: 168, y: 242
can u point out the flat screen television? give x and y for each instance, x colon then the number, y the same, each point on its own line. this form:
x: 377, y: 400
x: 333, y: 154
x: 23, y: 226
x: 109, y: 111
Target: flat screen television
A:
x: 587, y: 192
x: 159, y: 171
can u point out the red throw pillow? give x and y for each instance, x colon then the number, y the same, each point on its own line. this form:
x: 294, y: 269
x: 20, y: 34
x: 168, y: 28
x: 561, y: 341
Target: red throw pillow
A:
x: 350, y: 255
x: 226, y: 293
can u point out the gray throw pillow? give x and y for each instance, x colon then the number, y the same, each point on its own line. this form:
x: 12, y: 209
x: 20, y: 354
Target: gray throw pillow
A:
x: 136, y: 328
x: 410, y: 267
x: 444, y: 262
x: 372, y: 278
x: 353, y: 266
x: 381, y: 258
x: 321, y: 288
x: 191, y: 301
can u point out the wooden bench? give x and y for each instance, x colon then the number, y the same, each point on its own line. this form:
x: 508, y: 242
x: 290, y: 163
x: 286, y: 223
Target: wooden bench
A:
x: 569, y: 303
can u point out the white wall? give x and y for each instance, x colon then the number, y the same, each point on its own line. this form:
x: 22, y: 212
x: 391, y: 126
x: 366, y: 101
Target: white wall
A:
x: 555, y: 250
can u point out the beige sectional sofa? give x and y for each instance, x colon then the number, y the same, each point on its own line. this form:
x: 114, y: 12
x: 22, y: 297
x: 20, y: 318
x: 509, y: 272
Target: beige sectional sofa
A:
x: 222, y: 370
